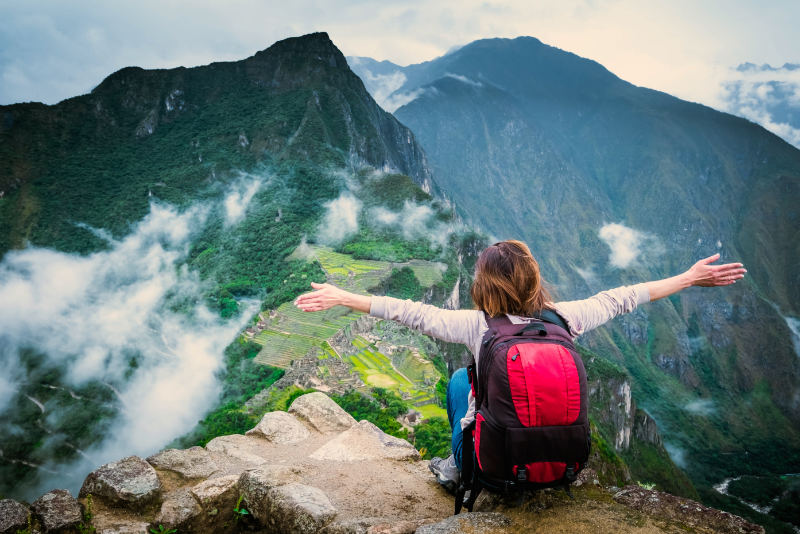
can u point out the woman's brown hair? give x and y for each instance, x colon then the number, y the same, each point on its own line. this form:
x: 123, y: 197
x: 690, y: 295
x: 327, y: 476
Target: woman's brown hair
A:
x: 507, y: 280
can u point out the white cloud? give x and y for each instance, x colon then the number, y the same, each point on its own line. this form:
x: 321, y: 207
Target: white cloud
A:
x: 415, y: 221
x: 627, y: 244
x: 340, y: 220
x: 93, y: 312
x: 704, y: 407
x: 398, y: 100
x: 237, y: 200
x: 50, y: 50
x: 677, y: 454
x: 464, y: 79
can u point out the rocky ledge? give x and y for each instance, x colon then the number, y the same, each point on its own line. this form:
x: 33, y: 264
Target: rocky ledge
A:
x: 315, y: 469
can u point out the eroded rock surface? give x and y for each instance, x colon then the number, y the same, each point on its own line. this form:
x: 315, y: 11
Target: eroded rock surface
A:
x: 321, y: 413
x: 57, y: 510
x: 13, y: 516
x: 190, y: 463
x: 687, y: 511
x: 178, y: 509
x: 297, y: 508
x: 280, y: 427
x: 365, y: 441
x: 127, y: 482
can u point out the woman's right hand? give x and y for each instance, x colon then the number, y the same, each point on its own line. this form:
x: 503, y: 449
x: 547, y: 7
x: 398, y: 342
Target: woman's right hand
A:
x: 327, y: 296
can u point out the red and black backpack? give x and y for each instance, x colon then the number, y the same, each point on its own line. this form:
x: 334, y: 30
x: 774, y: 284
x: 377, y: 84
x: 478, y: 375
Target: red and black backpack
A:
x: 531, y: 428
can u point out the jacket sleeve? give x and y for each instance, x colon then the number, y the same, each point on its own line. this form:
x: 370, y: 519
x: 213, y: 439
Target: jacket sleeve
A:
x: 587, y: 314
x: 455, y: 326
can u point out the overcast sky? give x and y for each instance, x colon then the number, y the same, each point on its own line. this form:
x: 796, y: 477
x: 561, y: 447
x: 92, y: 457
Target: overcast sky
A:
x: 54, y: 49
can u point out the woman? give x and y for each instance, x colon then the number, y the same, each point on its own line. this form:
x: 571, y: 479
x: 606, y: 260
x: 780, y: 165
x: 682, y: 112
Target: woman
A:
x: 507, y: 281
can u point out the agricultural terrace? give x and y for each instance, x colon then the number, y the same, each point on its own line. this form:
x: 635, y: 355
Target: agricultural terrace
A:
x: 288, y: 333
x: 414, y: 379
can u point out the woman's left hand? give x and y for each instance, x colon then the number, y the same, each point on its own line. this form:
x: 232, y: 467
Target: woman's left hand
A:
x: 704, y: 274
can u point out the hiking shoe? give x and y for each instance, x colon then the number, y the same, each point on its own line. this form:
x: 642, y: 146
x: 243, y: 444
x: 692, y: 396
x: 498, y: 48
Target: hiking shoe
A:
x: 447, y: 474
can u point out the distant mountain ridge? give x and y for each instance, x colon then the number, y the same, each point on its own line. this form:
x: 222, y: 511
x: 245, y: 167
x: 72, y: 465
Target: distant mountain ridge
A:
x: 536, y: 143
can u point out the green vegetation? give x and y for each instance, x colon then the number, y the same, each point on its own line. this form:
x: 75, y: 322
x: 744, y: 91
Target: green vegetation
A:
x: 434, y: 437
x: 381, y: 409
x: 402, y: 284
x: 239, y: 510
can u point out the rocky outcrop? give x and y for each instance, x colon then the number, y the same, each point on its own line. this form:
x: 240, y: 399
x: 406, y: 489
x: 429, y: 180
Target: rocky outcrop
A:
x: 690, y: 513
x: 334, y: 477
x: 321, y: 413
x: 58, y: 511
x: 13, y: 516
x: 280, y: 427
x: 128, y: 482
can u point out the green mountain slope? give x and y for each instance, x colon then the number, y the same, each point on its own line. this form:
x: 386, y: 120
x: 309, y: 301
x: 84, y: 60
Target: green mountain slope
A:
x: 158, y: 197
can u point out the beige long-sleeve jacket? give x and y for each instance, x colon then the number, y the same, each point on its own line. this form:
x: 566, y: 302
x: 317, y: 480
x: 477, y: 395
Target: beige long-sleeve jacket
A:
x: 469, y: 326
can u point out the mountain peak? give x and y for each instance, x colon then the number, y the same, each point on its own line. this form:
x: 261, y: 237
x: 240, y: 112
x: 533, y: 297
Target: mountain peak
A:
x: 318, y: 43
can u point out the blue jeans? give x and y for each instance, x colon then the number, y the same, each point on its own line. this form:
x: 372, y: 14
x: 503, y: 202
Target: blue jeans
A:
x: 457, y: 403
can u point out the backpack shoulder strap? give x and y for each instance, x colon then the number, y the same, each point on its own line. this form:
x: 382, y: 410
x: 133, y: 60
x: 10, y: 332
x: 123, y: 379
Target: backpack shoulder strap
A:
x: 552, y: 317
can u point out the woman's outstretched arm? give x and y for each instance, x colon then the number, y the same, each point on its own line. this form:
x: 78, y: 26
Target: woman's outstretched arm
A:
x: 701, y: 273
x: 327, y: 296
x: 587, y: 314
x: 455, y: 326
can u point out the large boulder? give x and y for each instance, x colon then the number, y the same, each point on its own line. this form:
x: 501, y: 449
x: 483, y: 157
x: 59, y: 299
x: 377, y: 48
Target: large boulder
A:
x: 178, y: 510
x: 322, y: 413
x: 58, y: 511
x: 13, y: 516
x: 365, y: 441
x: 295, y: 508
x: 190, y: 463
x: 256, y: 483
x: 217, y: 498
x: 243, y: 449
x: 130, y: 482
x: 280, y: 427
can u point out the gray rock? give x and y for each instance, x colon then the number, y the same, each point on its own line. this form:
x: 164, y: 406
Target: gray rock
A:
x: 13, y: 516
x: 322, y: 413
x: 130, y: 482
x: 375, y: 525
x: 484, y: 522
x: 178, y: 509
x: 295, y: 508
x: 215, y: 490
x: 58, y: 511
x: 256, y: 483
x: 190, y: 463
x: 365, y: 441
x: 237, y: 446
x: 217, y: 498
x: 105, y: 523
x: 280, y: 427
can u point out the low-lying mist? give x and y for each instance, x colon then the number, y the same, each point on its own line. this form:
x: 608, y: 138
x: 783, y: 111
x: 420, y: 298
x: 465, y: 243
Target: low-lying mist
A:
x: 132, y: 318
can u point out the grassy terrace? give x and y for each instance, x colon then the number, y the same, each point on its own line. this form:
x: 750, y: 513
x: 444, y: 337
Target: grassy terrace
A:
x: 291, y: 334
x: 376, y: 369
